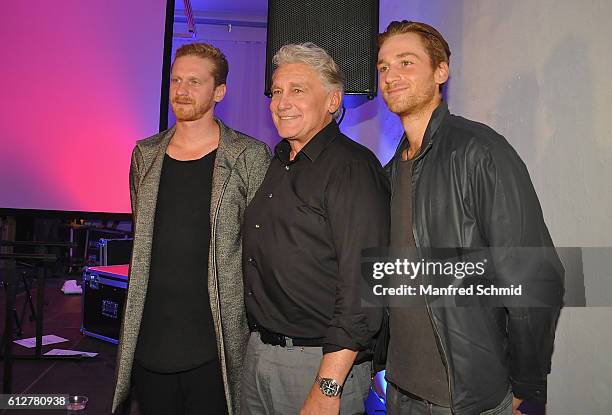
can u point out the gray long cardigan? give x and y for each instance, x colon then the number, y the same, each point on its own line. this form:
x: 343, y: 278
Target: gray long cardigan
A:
x: 240, y: 166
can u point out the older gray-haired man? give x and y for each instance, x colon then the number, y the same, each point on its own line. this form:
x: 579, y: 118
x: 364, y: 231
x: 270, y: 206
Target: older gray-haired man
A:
x: 323, y: 200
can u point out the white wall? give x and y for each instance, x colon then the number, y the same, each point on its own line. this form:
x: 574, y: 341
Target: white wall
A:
x: 539, y: 73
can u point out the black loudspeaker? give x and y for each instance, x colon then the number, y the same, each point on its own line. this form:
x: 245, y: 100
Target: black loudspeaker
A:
x: 346, y: 29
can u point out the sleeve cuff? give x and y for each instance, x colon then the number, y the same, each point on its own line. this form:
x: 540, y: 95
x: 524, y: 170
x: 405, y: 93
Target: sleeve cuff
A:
x: 532, y: 392
x: 338, y: 338
x: 330, y: 348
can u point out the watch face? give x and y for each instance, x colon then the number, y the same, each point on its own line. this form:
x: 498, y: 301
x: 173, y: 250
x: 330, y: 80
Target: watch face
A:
x: 329, y: 387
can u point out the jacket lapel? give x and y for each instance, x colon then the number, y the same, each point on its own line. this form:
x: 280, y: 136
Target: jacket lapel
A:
x: 153, y: 158
x: 230, y: 147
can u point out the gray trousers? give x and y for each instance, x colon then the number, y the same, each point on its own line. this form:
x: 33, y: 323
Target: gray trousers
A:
x: 276, y: 380
x: 400, y: 404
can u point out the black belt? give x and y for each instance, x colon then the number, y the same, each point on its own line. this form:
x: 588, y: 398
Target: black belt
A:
x: 276, y: 339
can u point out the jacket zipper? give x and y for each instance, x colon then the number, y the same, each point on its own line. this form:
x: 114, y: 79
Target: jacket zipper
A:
x: 448, y: 374
x: 427, y: 306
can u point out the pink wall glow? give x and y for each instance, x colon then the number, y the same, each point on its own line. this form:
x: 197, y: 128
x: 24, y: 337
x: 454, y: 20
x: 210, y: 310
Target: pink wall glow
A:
x: 81, y: 83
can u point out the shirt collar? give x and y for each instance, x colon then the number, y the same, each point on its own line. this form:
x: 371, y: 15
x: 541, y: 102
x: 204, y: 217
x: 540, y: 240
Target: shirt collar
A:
x: 435, y: 121
x: 313, y: 148
x: 434, y: 124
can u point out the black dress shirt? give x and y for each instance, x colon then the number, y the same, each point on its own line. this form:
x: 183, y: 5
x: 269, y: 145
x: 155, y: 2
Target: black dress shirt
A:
x: 303, y: 234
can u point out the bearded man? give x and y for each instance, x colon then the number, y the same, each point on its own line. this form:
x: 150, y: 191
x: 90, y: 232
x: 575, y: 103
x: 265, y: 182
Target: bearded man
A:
x: 458, y: 184
x: 185, y: 330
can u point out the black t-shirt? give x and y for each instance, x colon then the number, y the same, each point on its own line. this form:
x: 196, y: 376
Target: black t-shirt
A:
x: 414, y: 362
x: 176, y: 331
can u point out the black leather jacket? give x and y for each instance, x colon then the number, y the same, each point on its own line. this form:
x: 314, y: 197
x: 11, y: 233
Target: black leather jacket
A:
x: 471, y: 189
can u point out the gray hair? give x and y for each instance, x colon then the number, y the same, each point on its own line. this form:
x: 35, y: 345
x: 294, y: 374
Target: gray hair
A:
x: 318, y: 59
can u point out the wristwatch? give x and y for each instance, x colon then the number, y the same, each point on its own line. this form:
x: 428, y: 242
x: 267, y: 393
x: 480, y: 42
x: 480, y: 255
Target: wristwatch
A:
x: 329, y: 387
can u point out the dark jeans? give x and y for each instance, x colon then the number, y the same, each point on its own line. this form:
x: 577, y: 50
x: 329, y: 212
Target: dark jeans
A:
x: 400, y: 404
x: 192, y: 392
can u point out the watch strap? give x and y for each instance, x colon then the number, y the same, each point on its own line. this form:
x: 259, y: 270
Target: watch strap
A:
x: 324, y: 384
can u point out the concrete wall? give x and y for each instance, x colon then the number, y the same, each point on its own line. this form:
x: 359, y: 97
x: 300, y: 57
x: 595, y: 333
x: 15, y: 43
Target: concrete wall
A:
x: 539, y: 73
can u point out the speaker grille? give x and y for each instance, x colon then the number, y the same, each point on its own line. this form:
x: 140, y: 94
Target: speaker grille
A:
x: 346, y: 29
